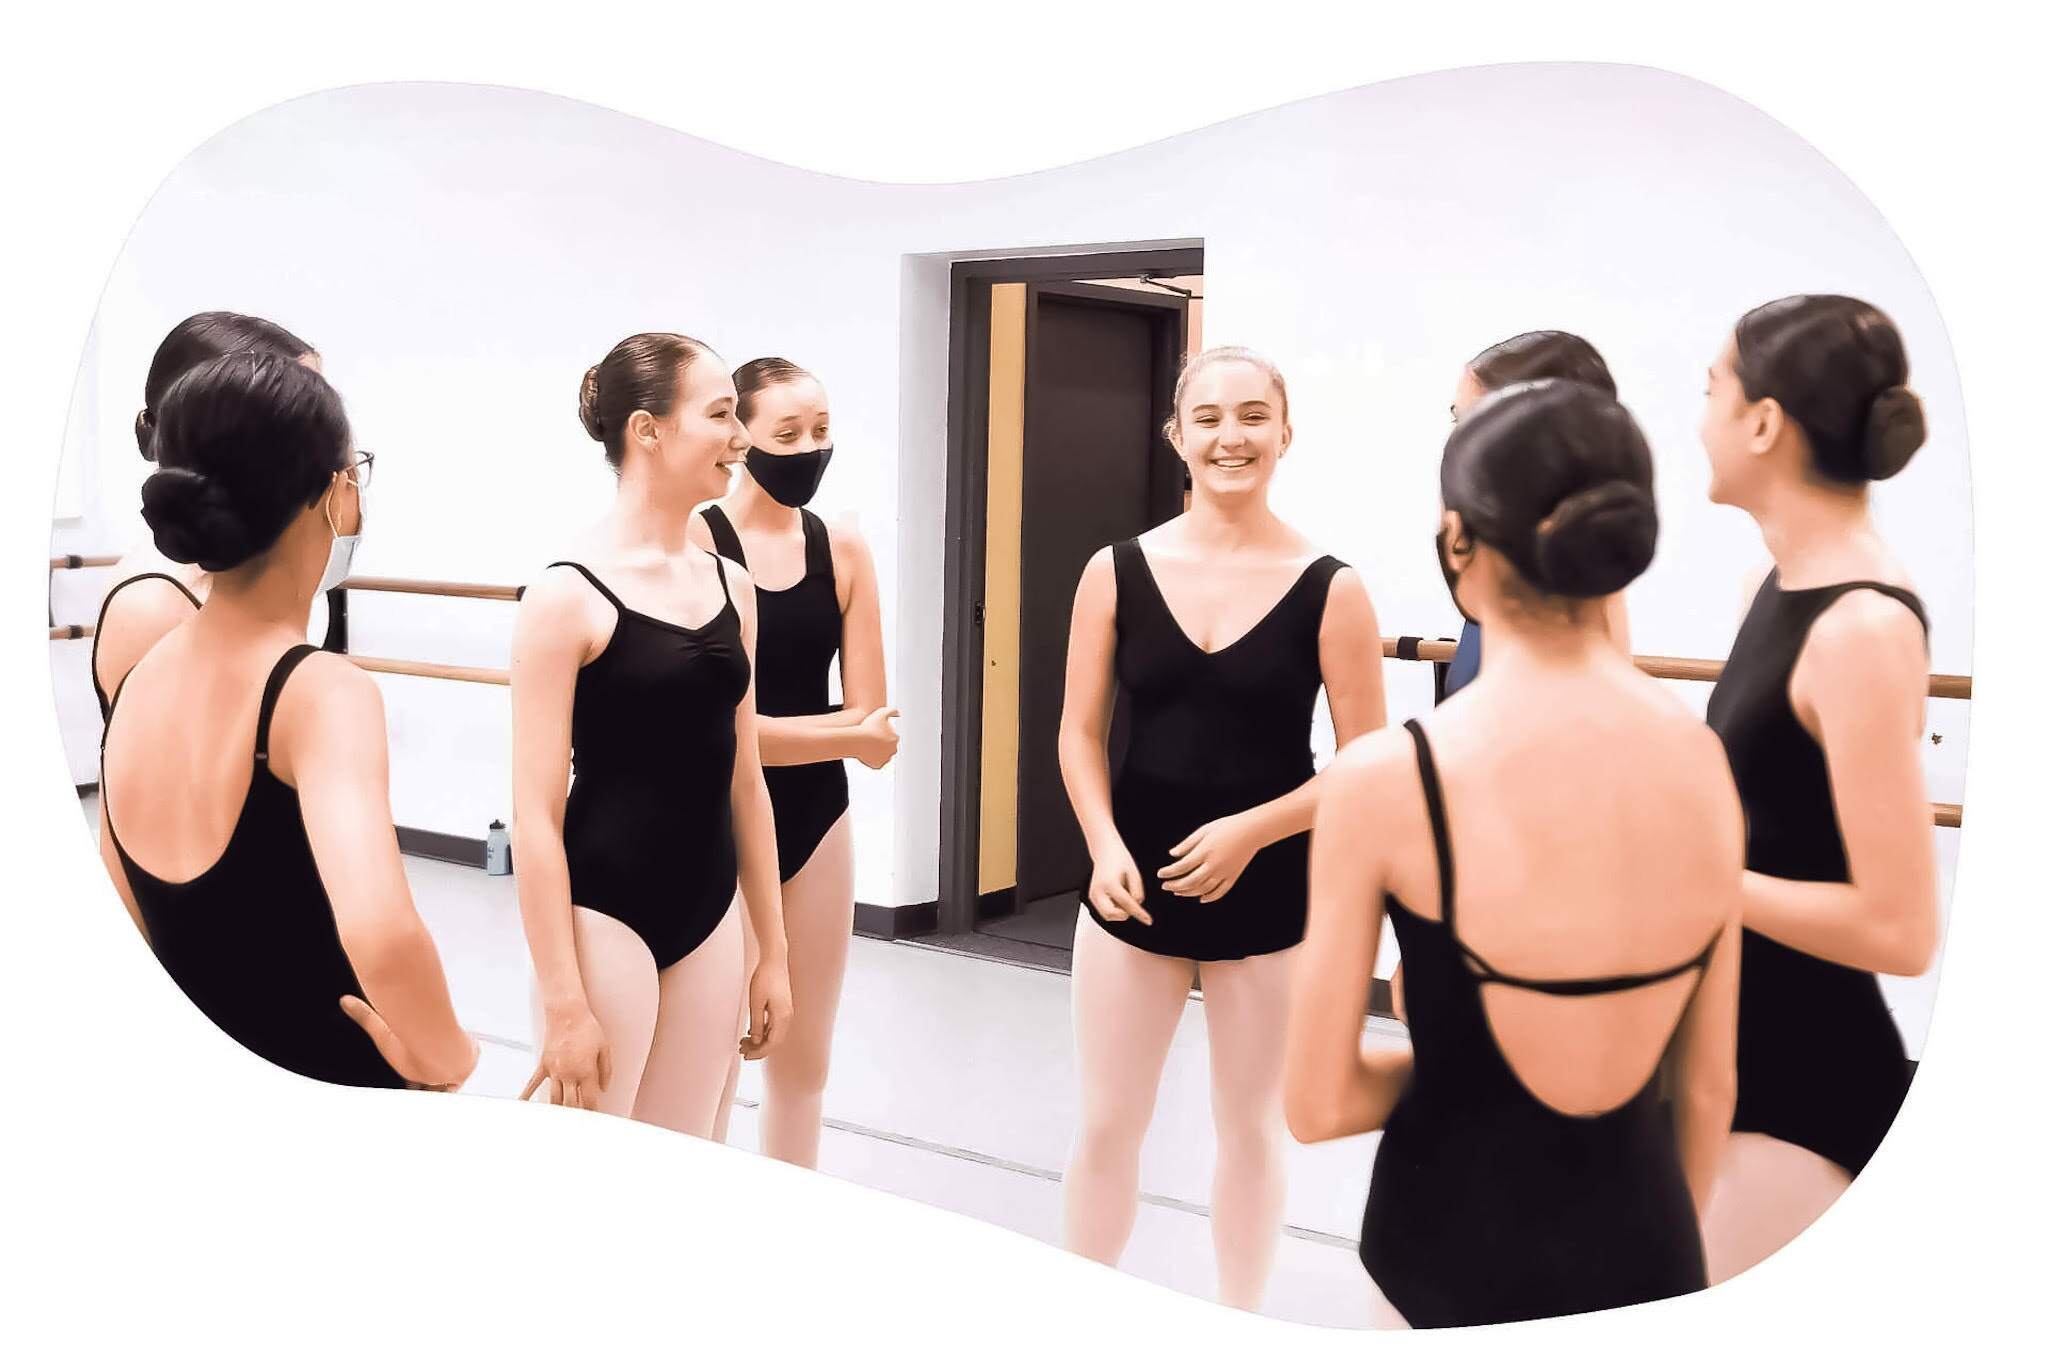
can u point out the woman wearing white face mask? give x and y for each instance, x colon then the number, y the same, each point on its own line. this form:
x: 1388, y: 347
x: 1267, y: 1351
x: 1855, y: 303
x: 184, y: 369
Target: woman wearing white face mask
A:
x: 150, y: 595
x: 245, y: 815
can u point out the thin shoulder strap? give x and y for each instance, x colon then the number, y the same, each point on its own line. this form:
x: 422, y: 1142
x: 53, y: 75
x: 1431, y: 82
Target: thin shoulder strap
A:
x: 1899, y: 593
x: 724, y: 536
x: 1439, y: 827
x: 591, y: 577
x: 817, y: 547
x: 274, y: 687
x: 723, y: 584
x: 1598, y: 985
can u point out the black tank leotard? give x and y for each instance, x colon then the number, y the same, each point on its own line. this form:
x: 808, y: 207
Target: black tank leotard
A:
x: 794, y: 644
x: 648, y: 827
x: 1214, y: 733
x: 1819, y: 1061
x: 1487, y: 1205
x: 251, y: 940
x: 106, y: 706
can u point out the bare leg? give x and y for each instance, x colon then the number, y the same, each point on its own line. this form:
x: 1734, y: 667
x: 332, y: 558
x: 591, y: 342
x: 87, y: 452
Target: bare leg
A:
x: 1245, y: 1003
x: 620, y: 983
x: 1767, y: 1194
x: 1127, y: 1004
x: 693, y: 1047
x: 817, y: 911
x: 722, y: 1124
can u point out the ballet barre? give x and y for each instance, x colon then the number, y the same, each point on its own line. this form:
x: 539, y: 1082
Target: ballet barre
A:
x: 73, y: 561
x: 1701, y: 669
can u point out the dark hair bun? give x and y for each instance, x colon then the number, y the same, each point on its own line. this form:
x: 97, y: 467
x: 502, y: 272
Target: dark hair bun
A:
x: 1895, y: 430
x: 194, y: 520
x: 1595, y: 541
x: 586, y: 406
x: 145, y: 434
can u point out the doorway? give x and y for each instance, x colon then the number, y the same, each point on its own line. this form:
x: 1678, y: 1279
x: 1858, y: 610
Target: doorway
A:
x: 1061, y: 382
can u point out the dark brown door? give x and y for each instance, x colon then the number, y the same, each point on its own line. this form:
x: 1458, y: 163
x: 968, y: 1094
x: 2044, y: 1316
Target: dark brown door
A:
x: 1098, y: 385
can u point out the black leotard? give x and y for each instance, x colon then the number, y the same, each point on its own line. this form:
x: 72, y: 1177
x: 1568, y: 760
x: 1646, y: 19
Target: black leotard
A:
x: 1819, y: 1061
x: 251, y: 940
x: 1214, y: 733
x: 794, y: 644
x: 106, y: 707
x: 1487, y: 1205
x: 648, y: 827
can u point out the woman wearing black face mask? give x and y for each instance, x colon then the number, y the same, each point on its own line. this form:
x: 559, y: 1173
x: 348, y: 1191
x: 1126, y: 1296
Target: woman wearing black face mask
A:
x: 815, y: 585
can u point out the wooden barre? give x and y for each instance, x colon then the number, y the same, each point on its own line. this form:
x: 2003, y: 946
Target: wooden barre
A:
x: 1663, y: 668
x: 1945, y: 815
x: 73, y: 562
x: 461, y: 590
x: 476, y: 675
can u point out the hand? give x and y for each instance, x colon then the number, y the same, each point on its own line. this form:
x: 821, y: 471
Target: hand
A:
x: 395, y: 1052
x: 1213, y: 857
x: 1115, y: 889
x: 575, y: 1060
x: 874, y: 738
x: 768, y: 1007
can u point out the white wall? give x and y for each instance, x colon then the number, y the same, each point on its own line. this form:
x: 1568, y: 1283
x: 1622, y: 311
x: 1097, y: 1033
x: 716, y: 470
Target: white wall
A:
x: 459, y: 256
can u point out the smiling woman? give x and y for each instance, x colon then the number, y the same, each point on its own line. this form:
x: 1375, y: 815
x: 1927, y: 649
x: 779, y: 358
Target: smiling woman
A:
x: 1199, y: 843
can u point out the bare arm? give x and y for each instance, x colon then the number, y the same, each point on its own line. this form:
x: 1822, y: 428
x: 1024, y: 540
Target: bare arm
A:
x: 1334, y: 1084
x: 1703, y: 1055
x: 753, y: 819
x: 1115, y: 888
x: 551, y: 636
x: 1348, y: 648
x: 328, y: 742
x: 863, y: 680
x: 1859, y: 688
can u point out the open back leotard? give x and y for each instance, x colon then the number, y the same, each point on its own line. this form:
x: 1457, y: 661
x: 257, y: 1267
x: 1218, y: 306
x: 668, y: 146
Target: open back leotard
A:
x: 794, y: 644
x: 1214, y: 733
x: 251, y: 940
x: 648, y: 827
x: 106, y: 706
x: 1487, y: 1205
x: 1819, y: 1062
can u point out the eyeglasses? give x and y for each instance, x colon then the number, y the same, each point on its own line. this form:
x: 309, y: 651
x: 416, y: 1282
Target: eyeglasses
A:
x: 359, y: 470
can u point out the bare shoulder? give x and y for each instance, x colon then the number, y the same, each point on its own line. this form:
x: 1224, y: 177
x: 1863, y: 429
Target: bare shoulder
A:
x: 1368, y: 770
x: 848, y: 544
x: 1865, y: 629
x: 330, y: 699
x: 698, y: 529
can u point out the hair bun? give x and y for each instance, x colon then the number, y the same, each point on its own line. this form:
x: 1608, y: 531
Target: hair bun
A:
x: 194, y: 520
x: 586, y: 406
x: 145, y: 434
x: 1893, y: 431
x: 1596, y: 541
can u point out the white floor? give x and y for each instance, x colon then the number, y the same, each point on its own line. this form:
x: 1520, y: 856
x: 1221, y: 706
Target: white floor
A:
x: 953, y: 1085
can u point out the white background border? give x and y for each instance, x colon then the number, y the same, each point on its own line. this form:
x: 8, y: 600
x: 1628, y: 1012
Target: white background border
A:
x: 170, y: 1199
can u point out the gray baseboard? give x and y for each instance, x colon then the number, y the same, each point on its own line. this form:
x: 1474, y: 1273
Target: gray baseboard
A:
x: 894, y: 921
x: 442, y: 847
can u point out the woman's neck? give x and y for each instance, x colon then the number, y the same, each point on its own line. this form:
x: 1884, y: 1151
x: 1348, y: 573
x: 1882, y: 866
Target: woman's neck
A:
x: 648, y: 515
x: 1817, y: 534
x: 752, y: 507
x: 1225, y: 526
x: 1541, y: 642
x: 252, y: 601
